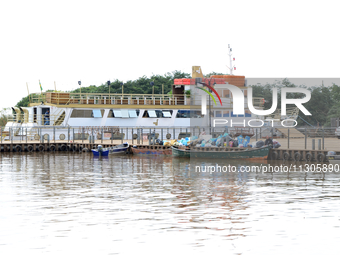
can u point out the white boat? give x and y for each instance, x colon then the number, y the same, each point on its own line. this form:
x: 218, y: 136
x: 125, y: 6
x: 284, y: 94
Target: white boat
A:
x: 119, y: 149
x: 77, y: 116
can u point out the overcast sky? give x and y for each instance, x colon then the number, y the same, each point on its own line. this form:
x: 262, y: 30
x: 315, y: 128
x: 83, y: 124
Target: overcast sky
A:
x: 94, y: 41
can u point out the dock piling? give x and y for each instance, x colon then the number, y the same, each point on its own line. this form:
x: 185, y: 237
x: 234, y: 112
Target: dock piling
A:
x: 319, y: 144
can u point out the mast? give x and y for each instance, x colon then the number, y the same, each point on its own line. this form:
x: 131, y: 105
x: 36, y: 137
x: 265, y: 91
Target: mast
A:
x: 231, y: 67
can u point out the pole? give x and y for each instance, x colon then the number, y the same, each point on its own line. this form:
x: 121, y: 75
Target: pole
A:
x: 55, y: 87
x: 29, y: 98
x: 323, y: 138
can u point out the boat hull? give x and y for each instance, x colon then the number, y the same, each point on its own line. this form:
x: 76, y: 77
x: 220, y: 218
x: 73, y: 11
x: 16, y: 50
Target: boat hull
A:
x: 118, y: 151
x: 333, y: 159
x: 148, y: 151
x: 103, y: 153
x: 259, y: 153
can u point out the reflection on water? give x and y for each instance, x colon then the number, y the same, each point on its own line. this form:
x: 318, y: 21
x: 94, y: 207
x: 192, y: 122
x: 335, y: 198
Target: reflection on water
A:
x: 67, y: 203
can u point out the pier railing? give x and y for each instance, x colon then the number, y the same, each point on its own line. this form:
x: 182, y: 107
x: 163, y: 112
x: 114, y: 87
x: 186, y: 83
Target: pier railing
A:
x: 149, y: 135
x: 64, y: 98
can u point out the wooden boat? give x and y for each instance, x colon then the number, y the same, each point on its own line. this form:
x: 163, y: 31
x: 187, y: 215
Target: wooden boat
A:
x: 157, y: 150
x: 122, y: 148
x: 221, y: 153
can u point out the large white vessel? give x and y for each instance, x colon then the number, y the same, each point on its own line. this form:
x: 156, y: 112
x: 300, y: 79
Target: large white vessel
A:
x: 54, y: 113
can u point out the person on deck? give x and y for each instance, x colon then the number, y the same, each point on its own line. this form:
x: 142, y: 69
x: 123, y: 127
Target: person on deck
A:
x: 268, y: 141
x: 47, y: 118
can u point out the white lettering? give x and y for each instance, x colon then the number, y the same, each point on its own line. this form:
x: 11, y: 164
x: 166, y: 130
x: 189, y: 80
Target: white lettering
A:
x: 297, y: 101
x: 222, y: 122
x: 295, y: 123
x: 244, y: 122
x: 256, y: 121
x: 261, y: 112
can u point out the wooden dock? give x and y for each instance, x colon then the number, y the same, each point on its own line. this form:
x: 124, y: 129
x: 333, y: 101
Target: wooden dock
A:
x: 298, y: 149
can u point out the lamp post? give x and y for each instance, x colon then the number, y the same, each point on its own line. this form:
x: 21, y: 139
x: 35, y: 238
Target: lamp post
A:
x: 109, y: 84
x: 79, y: 83
x: 152, y: 84
x: 122, y: 84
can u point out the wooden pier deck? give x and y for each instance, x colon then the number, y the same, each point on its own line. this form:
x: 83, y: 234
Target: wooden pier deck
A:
x: 298, y: 149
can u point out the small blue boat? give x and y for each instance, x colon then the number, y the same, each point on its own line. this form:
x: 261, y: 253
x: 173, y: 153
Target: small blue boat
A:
x: 100, y: 151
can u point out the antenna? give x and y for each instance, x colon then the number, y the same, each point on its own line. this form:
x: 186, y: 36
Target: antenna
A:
x: 231, y: 67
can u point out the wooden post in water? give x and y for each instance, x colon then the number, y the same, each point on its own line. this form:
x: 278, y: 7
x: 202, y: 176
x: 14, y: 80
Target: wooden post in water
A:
x: 132, y: 134
x: 92, y: 138
x: 142, y: 134
x: 323, y: 138
x: 150, y: 137
x: 319, y: 144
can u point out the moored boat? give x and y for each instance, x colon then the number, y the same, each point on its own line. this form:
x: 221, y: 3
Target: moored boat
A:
x: 333, y: 158
x: 157, y: 150
x: 100, y: 151
x: 122, y: 148
x: 222, y: 153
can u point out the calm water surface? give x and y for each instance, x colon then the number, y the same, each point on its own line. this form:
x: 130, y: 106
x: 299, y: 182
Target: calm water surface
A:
x: 77, y: 204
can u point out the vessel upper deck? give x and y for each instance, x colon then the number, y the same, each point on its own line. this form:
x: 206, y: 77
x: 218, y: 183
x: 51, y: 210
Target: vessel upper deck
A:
x: 107, y: 100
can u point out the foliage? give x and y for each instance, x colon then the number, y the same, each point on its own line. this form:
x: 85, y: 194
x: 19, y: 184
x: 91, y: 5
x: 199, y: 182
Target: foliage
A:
x: 323, y: 105
x: 213, y: 73
x: 3, y: 117
x: 24, y: 102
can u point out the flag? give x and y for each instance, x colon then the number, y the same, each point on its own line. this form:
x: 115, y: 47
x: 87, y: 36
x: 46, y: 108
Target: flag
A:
x: 40, y: 86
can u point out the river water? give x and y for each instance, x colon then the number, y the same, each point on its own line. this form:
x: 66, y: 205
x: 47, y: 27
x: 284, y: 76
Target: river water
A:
x: 76, y: 204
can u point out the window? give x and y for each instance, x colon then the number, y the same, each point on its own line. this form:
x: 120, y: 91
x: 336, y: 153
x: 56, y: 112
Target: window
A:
x: 232, y: 114
x: 97, y: 113
x: 167, y: 114
x: 82, y: 114
x: 125, y: 113
x: 218, y: 114
x: 150, y: 114
x: 225, y: 114
x: 226, y: 93
x: 188, y: 114
x: 248, y: 113
x: 132, y: 114
x: 117, y: 113
x: 121, y: 113
x: 159, y: 113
